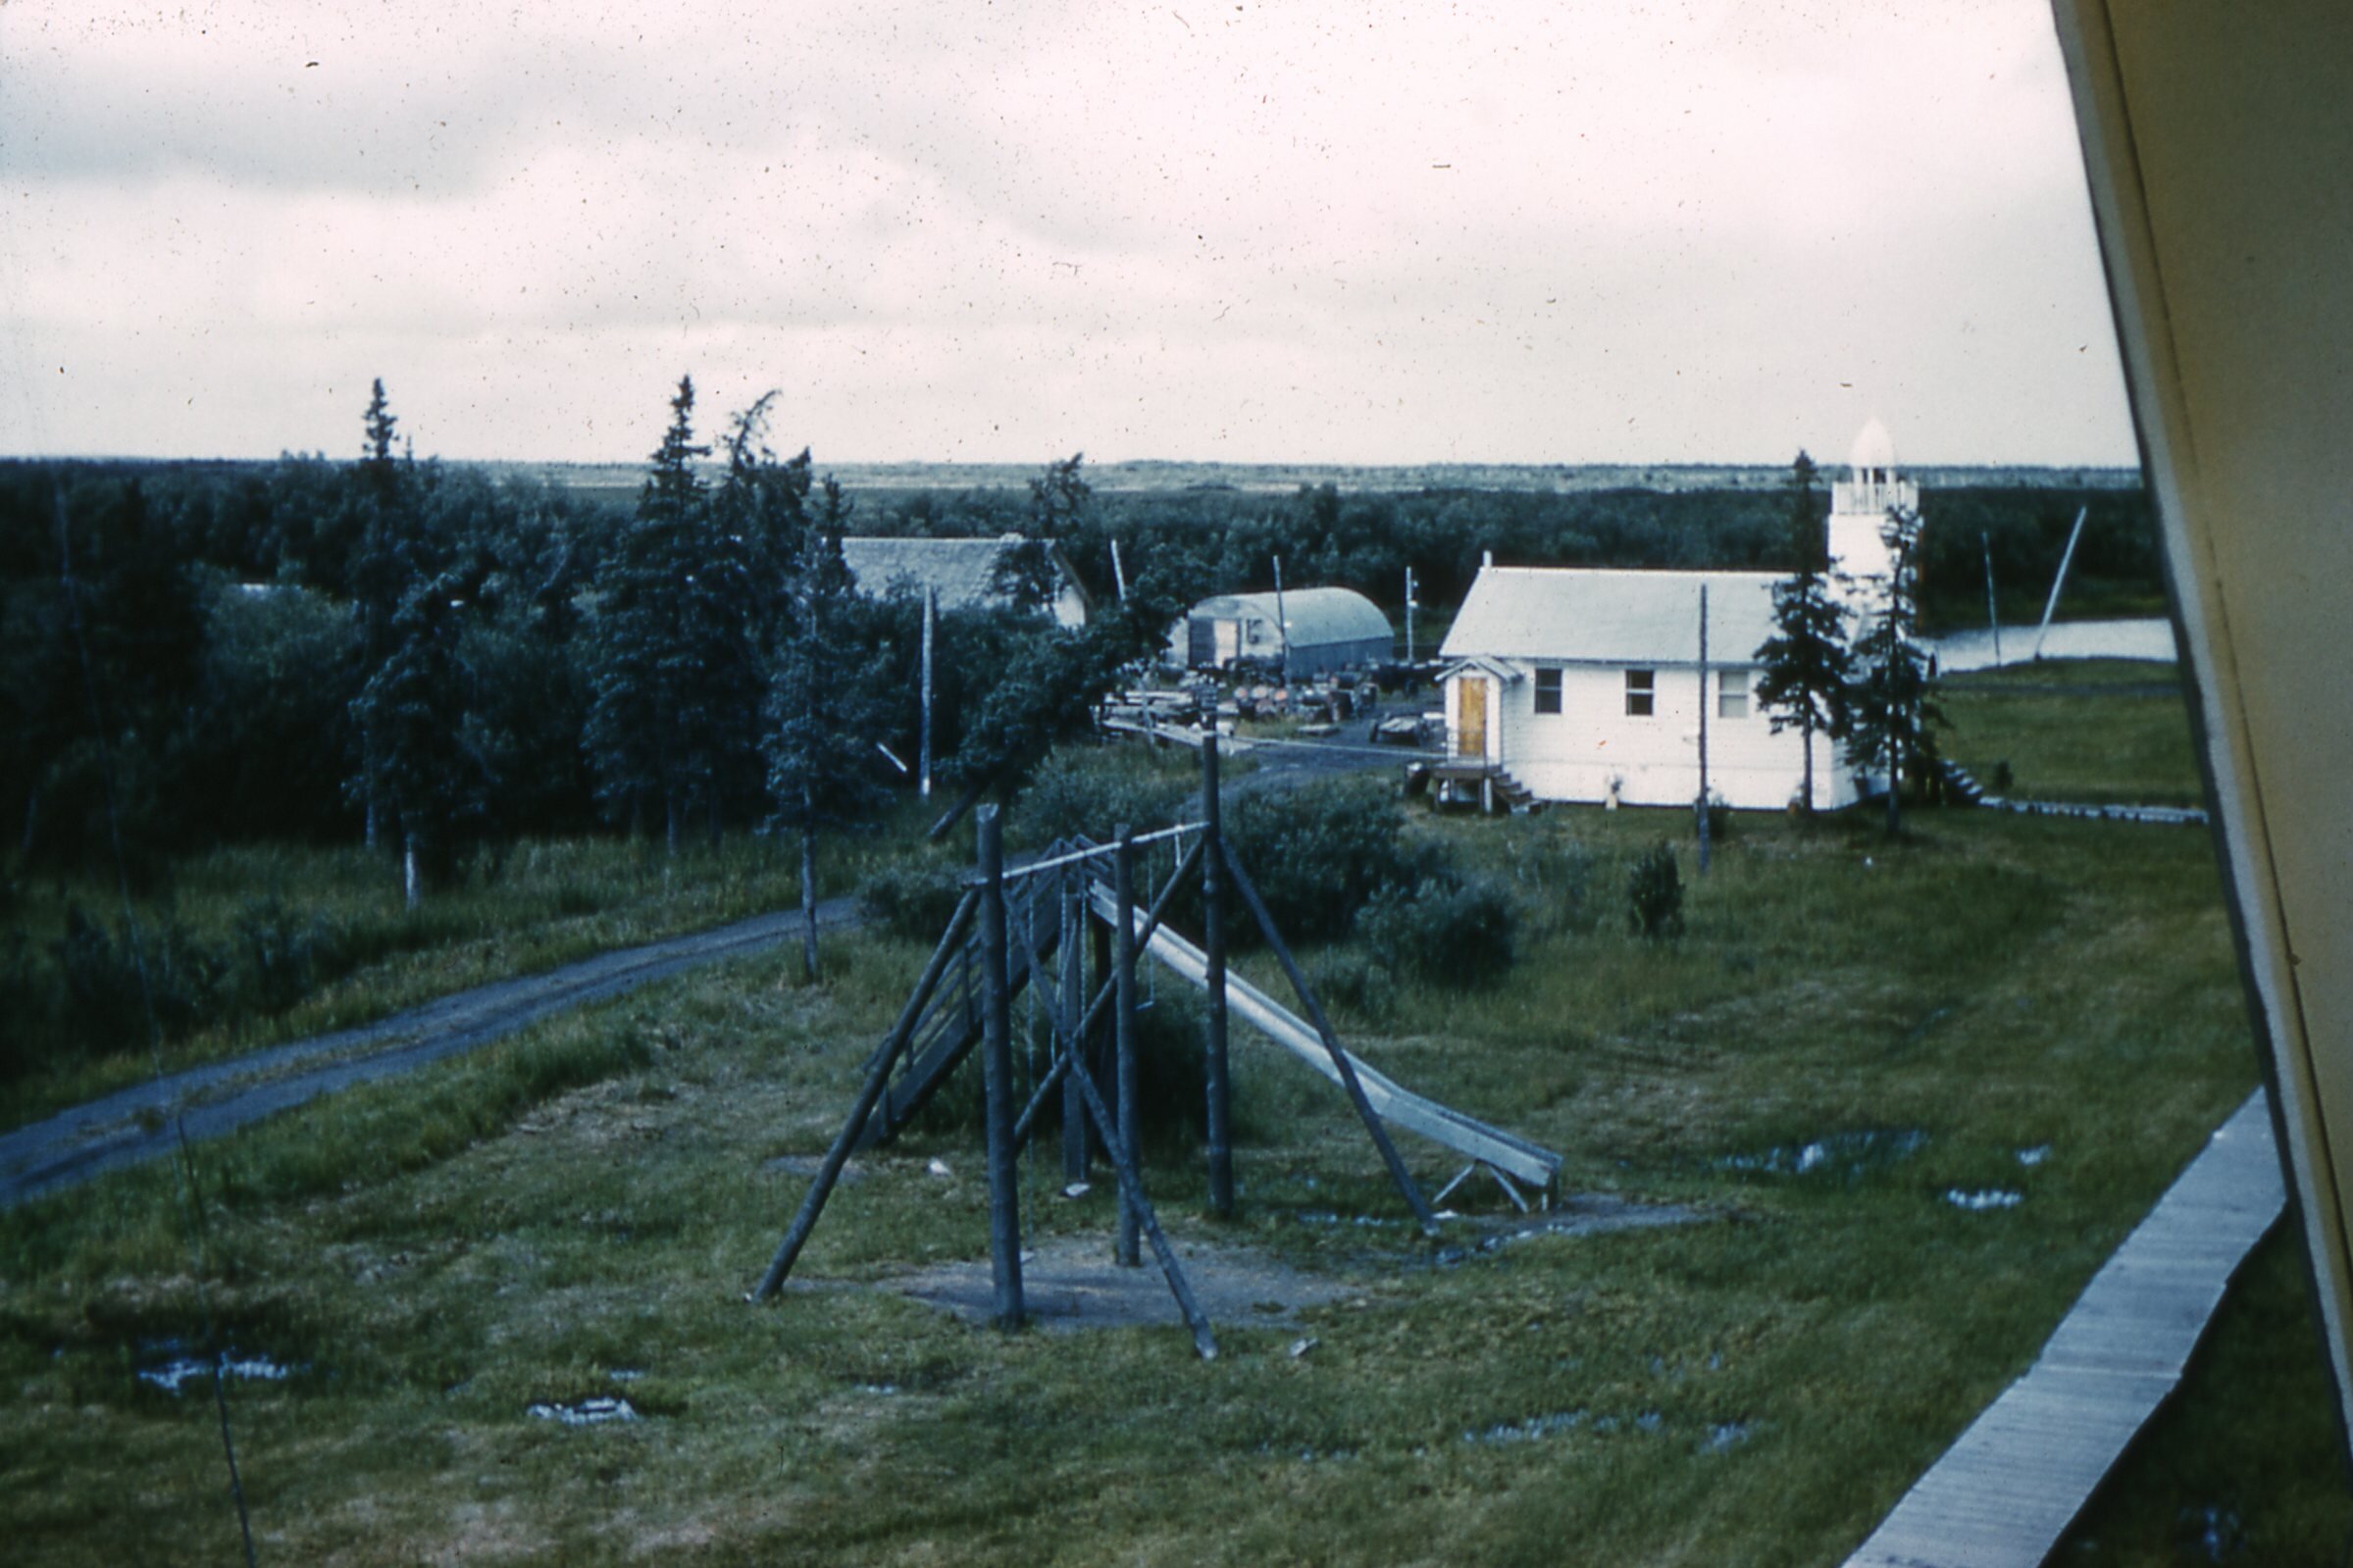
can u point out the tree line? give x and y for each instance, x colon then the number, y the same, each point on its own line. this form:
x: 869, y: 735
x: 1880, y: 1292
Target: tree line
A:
x: 438, y: 661
x: 441, y: 659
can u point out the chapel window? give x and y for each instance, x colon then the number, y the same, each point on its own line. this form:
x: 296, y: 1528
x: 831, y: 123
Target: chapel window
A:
x: 1642, y: 692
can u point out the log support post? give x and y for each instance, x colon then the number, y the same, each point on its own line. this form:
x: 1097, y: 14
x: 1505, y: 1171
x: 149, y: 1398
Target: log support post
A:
x: 1123, y: 893
x: 997, y: 1076
x: 1213, y: 889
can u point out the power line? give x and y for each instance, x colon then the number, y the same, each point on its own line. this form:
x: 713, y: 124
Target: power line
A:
x: 191, y: 1199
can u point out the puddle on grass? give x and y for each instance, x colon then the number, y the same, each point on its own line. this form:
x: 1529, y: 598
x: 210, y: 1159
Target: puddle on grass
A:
x: 589, y: 1412
x: 1536, y: 1427
x: 1306, y: 1456
x: 1326, y: 1218
x: 173, y: 1376
x: 2214, y: 1533
x: 2031, y: 1158
x: 1993, y: 1197
x: 1724, y: 1437
x: 1851, y: 1155
x: 1587, y: 1214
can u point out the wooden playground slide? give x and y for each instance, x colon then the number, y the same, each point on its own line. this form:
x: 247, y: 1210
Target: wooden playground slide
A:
x: 1474, y: 1139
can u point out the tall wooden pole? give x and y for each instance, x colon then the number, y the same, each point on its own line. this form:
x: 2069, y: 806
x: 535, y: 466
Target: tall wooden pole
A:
x: 869, y: 1094
x: 931, y: 623
x: 1349, y: 1082
x: 1123, y: 891
x: 1409, y: 615
x: 1212, y: 893
x: 1282, y: 619
x: 1993, y: 617
x: 1074, y: 985
x: 1702, y: 803
x: 997, y: 1076
x: 2059, y: 582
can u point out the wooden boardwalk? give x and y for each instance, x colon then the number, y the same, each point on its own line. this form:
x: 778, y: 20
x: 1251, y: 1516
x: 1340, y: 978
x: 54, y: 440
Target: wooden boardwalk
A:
x: 2006, y: 1491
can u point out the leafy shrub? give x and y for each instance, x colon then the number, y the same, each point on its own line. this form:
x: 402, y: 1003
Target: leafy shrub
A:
x: 1441, y: 931
x: 913, y: 901
x: 1654, y: 893
x: 106, y: 996
x: 1353, y: 982
x: 1171, y: 1079
x: 1318, y: 854
x: 1090, y: 791
x: 1557, y: 878
x: 281, y: 956
x: 28, y: 1001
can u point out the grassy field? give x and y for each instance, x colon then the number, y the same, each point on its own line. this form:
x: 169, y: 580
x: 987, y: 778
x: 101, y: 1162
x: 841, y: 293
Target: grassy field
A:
x: 1851, y: 1031
x: 344, y: 951
x: 2105, y: 731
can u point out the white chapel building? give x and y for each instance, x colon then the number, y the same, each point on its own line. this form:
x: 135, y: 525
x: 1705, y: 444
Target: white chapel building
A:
x: 1572, y: 684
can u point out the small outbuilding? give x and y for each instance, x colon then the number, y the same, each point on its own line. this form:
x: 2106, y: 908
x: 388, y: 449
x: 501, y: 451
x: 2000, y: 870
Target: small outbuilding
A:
x: 963, y: 572
x: 1329, y: 629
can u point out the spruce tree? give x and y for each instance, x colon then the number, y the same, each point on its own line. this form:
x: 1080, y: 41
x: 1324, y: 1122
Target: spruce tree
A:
x: 826, y: 706
x: 1807, y: 662
x: 1026, y: 575
x: 1891, y: 700
x: 425, y: 769
x: 643, y: 673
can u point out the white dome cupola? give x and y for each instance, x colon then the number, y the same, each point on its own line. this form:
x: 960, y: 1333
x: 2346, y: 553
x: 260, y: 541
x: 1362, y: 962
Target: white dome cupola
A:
x: 1873, y: 451
x: 1859, y: 504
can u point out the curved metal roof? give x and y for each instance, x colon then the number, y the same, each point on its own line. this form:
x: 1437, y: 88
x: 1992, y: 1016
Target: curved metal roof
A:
x: 1318, y: 616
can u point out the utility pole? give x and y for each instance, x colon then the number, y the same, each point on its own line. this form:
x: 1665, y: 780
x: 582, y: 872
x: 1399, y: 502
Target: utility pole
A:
x: 1703, y: 800
x: 931, y: 623
x: 2060, y: 582
x: 1409, y: 615
x: 1283, y: 625
x: 1993, y: 617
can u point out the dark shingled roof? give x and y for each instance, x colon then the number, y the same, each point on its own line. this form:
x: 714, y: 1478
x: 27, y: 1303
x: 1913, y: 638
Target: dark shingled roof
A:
x: 962, y: 572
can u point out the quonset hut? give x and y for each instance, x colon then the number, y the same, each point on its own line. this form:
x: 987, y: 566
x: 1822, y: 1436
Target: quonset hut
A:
x: 1330, y: 628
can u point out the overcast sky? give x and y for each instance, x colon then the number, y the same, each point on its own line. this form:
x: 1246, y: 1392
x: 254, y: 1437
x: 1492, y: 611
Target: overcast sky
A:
x: 1333, y: 232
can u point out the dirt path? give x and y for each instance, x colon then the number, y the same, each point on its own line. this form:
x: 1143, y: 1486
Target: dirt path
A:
x: 134, y: 1124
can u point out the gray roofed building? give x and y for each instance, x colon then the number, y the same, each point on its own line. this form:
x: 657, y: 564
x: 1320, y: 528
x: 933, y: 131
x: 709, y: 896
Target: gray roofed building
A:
x: 1580, y: 616
x: 961, y: 572
x: 1330, y: 628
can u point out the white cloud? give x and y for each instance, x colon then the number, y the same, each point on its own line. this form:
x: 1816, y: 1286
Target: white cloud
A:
x: 1250, y: 230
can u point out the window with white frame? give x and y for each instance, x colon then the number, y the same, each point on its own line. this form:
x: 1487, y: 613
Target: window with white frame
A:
x: 1642, y: 692
x: 1548, y: 692
x: 1732, y: 694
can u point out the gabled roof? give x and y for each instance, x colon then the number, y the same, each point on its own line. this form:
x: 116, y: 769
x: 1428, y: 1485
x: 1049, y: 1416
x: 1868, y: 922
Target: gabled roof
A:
x: 962, y: 572
x: 1318, y: 616
x: 1579, y: 615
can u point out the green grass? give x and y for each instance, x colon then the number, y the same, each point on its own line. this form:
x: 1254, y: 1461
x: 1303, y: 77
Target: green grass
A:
x: 548, y: 904
x: 591, y: 1199
x: 2098, y: 731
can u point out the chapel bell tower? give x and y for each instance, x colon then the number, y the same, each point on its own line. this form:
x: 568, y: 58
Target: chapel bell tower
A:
x: 1859, y: 505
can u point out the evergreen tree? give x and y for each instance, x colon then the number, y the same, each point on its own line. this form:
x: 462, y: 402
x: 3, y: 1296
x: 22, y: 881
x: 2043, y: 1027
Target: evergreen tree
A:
x: 426, y: 766
x: 642, y: 671
x: 1058, y: 498
x: 377, y: 423
x: 826, y: 706
x: 1808, y: 665
x: 1891, y: 700
x: 379, y: 518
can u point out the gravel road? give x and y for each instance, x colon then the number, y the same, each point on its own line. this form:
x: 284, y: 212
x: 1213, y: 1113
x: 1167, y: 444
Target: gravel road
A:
x: 136, y: 1124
